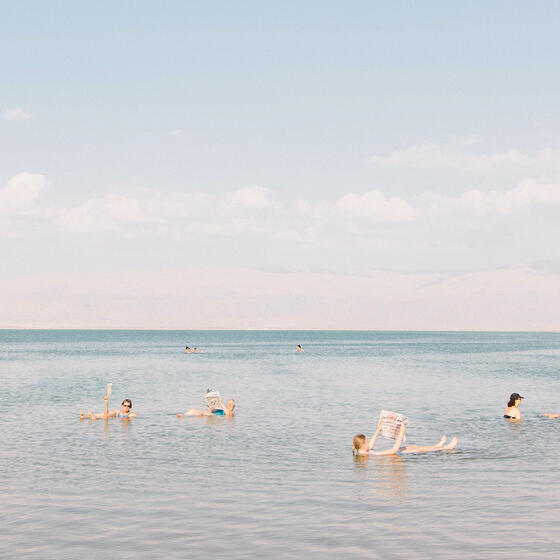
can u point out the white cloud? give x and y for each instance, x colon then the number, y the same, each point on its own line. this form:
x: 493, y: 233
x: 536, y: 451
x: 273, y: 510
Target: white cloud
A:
x: 110, y: 213
x: 306, y: 235
x: 527, y: 194
x: 21, y: 192
x: 302, y: 206
x: 374, y: 205
x: 396, y: 229
x: 434, y: 156
x: 170, y: 215
x: 468, y: 140
x: 249, y: 197
x: 16, y: 114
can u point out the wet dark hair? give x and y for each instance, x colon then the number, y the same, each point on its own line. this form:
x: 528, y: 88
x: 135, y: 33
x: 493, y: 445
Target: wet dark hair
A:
x: 128, y: 401
x: 512, y: 398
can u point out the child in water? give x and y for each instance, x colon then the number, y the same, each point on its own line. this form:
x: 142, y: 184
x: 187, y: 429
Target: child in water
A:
x: 124, y: 412
x: 361, y: 445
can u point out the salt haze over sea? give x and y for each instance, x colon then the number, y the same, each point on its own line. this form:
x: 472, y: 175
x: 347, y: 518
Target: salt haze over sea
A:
x: 279, y: 480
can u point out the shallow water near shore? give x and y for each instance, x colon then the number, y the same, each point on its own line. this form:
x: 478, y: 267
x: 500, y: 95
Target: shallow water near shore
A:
x: 278, y: 480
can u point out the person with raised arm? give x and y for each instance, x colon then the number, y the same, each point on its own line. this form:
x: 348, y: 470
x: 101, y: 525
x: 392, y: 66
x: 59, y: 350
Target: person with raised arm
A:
x: 124, y: 413
x: 361, y: 445
x: 214, y: 407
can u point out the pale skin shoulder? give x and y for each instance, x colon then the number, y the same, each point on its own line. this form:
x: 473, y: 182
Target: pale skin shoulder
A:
x: 513, y: 412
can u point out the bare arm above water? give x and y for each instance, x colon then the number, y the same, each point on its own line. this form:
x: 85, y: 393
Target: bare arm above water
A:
x: 395, y: 448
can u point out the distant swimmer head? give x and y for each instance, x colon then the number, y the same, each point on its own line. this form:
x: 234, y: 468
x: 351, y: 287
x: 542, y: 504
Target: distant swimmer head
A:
x: 358, y: 443
x: 230, y: 404
x: 513, y: 398
x: 127, y: 403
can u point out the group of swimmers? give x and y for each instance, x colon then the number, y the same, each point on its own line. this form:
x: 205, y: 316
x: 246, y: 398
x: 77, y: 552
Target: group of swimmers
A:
x: 195, y: 349
x: 361, y: 446
x: 217, y: 409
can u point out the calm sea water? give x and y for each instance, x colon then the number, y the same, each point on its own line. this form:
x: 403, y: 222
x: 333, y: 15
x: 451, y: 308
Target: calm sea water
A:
x: 279, y: 480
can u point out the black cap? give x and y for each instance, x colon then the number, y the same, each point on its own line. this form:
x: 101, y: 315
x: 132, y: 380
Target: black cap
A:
x: 515, y: 396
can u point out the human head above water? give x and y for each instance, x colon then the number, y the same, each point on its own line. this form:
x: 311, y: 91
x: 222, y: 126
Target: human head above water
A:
x: 513, y: 398
x: 358, y: 443
x: 230, y: 404
x: 127, y: 402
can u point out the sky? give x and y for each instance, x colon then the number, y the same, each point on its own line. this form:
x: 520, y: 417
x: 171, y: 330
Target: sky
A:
x: 283, y: 165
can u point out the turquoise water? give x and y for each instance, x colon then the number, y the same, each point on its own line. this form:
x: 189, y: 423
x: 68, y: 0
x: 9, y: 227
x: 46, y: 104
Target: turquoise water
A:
x: 279, y: 480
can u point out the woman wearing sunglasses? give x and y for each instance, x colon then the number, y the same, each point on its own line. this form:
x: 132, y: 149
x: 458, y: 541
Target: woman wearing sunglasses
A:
x: 125, y: 411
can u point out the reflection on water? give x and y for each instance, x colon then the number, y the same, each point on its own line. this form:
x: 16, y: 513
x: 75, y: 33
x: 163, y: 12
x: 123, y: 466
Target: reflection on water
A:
x: 278, y: 480
x: 391, y: 477
x: 388, y: 473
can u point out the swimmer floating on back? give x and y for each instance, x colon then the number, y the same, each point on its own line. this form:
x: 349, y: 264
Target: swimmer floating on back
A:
x: 361, y: 445
x: 124, y: 412
x: 227, y: 410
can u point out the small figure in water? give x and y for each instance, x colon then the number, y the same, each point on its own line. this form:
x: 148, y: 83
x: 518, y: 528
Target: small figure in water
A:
x: 195, y: 350
x: 124, y: 412
x: 512, y: 411
x: 361, y: 445
x: 187, y: 350
x: 550, y: 415
x: 299, y: 348
x: 228, y: 410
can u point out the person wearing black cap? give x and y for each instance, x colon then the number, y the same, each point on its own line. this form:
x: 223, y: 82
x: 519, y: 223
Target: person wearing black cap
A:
x: 512, y: 411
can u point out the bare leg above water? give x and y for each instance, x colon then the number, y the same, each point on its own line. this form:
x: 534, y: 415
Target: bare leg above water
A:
x: 426, y: 448
x: 196, y: 412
